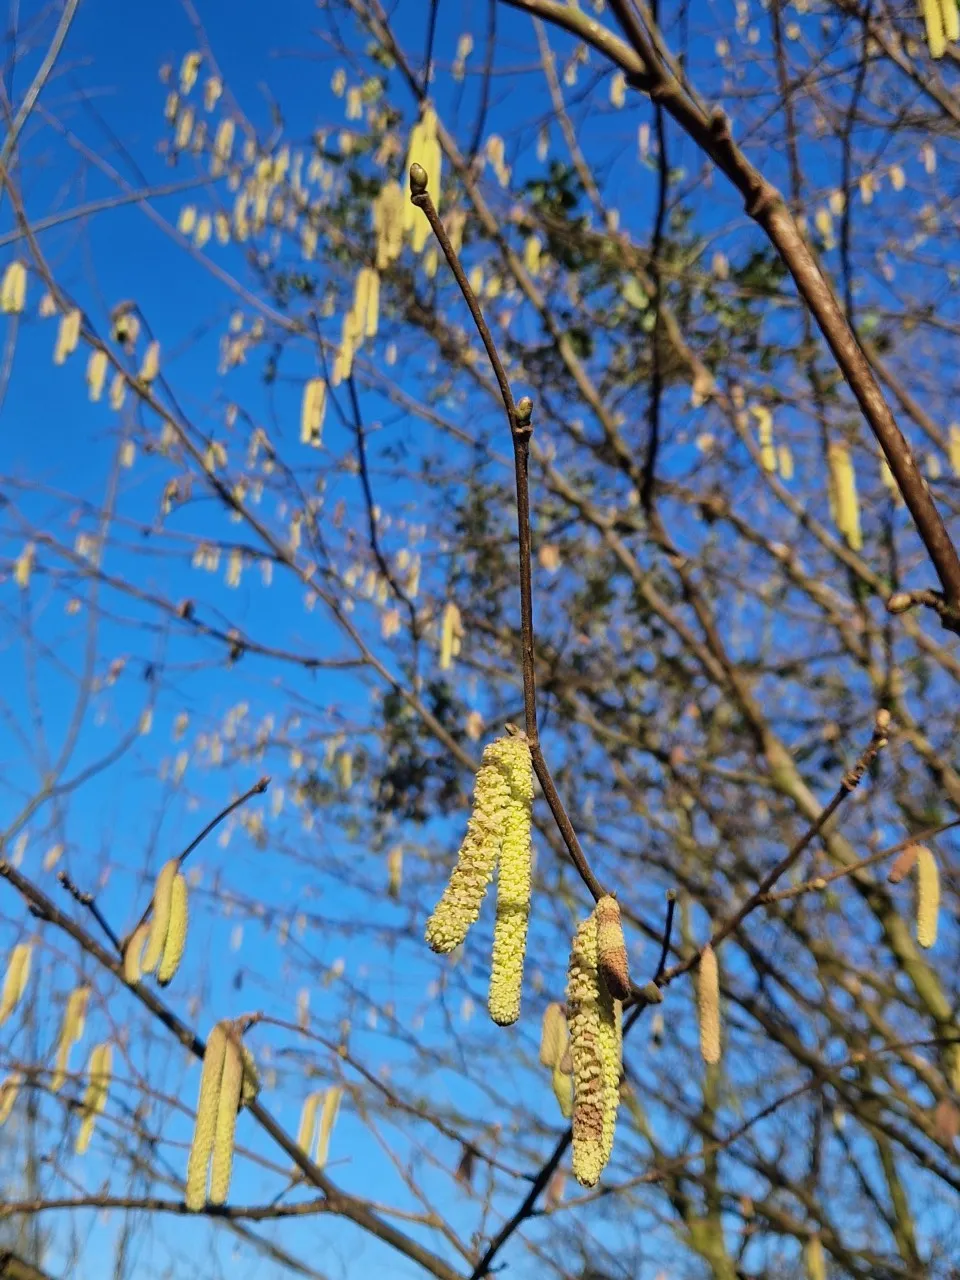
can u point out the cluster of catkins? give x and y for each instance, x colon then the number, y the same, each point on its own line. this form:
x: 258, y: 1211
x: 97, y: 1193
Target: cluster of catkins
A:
x: 228, y: 1082
x: 498, y: 837
x: 157, y: 944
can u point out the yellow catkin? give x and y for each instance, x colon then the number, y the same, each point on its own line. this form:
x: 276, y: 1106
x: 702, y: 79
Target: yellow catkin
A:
x: 954, y: 448
x: 611, y: 1055
x: 308, y: 1121
x: 222, y: 146
x: 95, y: 1098
x: 205, y: 1128
x: 933, y: 21
x: 785, y: 462
x: 583, y: 1014
x: 68, y: 335
x: 459, y: 906
x: 176, y: 938
x: 611, y: 948
x: 814, y: 1260
x: 768, y: 454
x: 708, y: 1003
x: 160, y: 924
x: 133, y: 954
x: 513, y: 882
x: 228, y: 1105
x: 251, y: 1078
x: 388, y: 223
x: 96, y: 373
x: 13, y: 289
x: 553, y: 1035
x: 618, y: 89
x: 71, y: 1030
x: 951, y: 19
x: 563, y: 1091
x: 395, y: 871
x: 843, y: 493
x: 531, y: 254
x: 150, y: 365
x: 451, y: 634
x: 8, y: 1094
x: 928, y: 897
x: 903, y: 864
x: 328, y: 1118
x: 312, y: 412
x: 16, y: 979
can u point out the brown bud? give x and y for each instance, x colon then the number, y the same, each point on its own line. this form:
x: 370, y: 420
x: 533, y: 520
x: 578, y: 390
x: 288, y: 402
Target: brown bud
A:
x: 611, y: 950
x: 903, y: 864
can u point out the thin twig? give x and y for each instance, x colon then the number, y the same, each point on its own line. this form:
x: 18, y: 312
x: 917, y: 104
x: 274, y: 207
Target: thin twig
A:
x: 89, y: 901
x: 519, y: 420
x: 39, y: 80
x: 667, y: 929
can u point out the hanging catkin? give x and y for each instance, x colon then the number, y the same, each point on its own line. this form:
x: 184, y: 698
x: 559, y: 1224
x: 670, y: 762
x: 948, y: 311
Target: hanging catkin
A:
x: 844, y: 504
x: 553, y: 1035
x: 928, y: 897
x: 583, y: 1015
x: 71, y: 1030
x: 513, y: 882
x: 814, y: 1260
x: 16, y: 979
x: 228, y: 1104
x: 328, y: 1118
x: 308, y: 1121
x: 205, y: 1128
x: 611, y: 948
x: 9, y: 1089
x: 176, y: 939
x: 95, y: 1098
x: 133, y: 954
x: 160, y: 924
x: 13, y: 289
x: 708, y: 1000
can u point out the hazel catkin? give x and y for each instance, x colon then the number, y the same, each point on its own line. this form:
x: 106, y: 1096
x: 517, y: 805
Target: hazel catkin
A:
x: 205, y: 1127
x: 513, y: 882
x: 176, y: 939
x: 160, y: 924
x: 928, y: 897
x: 708, y: 1000
x: 611, y: 948
x: 228, y: 1104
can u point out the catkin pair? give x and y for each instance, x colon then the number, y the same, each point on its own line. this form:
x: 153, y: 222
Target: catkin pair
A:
x: 71, y: 1031
x: 328, y: 1103
x: 16, y: 979
x: 499, y: 828
x: 158, y: 944
x: 221, y: 1096
x: 595, y: 1018
x: 95, y: 1098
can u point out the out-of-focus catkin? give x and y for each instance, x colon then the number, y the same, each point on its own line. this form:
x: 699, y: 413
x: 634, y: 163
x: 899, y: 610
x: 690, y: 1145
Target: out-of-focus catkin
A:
x: 451, y: 634
x: 844, y: 504
x: 231, y: 1086
x: 814, y: 1260
x: 611, y: 948
x: 328, y: 1118
x: 15, y: 980
x: 9, y: 1089
x: 308, y: 1121
x: 928, y: 897
x: 708, y: 1002
x: 13, y: 289
x: 160, y: 924
x: 68, y: 335
x: 176, y: 939
x: 513, y: 881
x: 553, y: 1035
x: 563, y: 1091
x: 133, y: 954
x: 95, y: 1098
x: 205, y: 1127
x: 71, y: 1031
x: 459, y: 905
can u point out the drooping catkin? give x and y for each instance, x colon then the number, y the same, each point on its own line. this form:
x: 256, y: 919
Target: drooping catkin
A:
x: 160, y: 924
x: 708, y: 1002
x: 71, y: 1030
x: 553, y: 1035
x: 328, y: 1118
x: 312, y: 412
x: 563, y: 1091
x: 459, y: 905
x: 513, y: 882
x: 13, y: 289
x: 205, y: 1128
x: 228, y: 1104
x: 844, y: 504
x: 95, y: 1098
x: 903, y: 864
x: 133, y: 954
x: 68, y: 335
x: 176, y: 939
x: 251, y: 1078
x: 9, y: 1089
x: 928, y: 897
x: 583, y: 1015
x: 308, y: 1121
x: 15, y: 980
x: 451, y: 635
x: 814, y: 1260
x: 611, y: 948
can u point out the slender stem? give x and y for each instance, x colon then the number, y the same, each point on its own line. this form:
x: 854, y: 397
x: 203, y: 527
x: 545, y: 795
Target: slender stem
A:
x: 87, y: 900
x: 519, y: 419
x: 667, y: 930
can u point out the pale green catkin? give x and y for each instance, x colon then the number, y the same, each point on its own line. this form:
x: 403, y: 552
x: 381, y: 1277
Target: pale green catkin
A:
x: 15, y: 980
x: 228, y: 1105
x: 71, y: 1030
x: 611, y: 1049
x: 459, y: 905
x: 133, y: 954
x: 205, y: 1128
x: 328, y: 1118
x: 563, y: 1091
x: 160, y: 924
x: 513, y: 883
x: 176, y: 939
x: 95, y: 1098
x: 583, y: 1015
x: 553, y: 1035
x: 928, y: 897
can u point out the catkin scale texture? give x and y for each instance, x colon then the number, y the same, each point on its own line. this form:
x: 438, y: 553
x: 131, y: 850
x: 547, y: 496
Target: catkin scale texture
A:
x: 459, y: 906
x: 176, y: 939
x: 162, y: 900
x: 228, y: 1104
x: 205, y: 1128
x: 583, y: 1016
x: 928, y: 897
x: 611, y: 1047
x: 513, y: 883
x: 708, y: 998
x: 611, y: 948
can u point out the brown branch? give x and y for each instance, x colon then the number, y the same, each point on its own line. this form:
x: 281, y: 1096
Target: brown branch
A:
x: 519, y: 420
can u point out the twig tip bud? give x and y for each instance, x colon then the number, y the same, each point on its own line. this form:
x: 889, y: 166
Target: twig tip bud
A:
x: 524, y: 411
x: 418, y: 180
x: 899, y: 602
